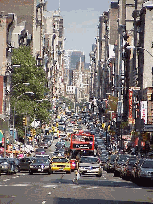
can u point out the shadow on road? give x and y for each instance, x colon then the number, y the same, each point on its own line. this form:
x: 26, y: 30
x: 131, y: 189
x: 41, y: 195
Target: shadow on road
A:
x: 91, y: 201
x: 103, y: 183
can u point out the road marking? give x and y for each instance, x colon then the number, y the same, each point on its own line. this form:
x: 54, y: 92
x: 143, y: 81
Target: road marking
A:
x: 92, y: 187
x: 76, y: 186
x: 48, y: 186
x: 6, y: 180
x: 20, y: 184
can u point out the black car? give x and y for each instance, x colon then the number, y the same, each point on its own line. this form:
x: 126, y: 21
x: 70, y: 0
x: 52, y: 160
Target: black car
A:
x: 40, y: 165
x: 24, y: 163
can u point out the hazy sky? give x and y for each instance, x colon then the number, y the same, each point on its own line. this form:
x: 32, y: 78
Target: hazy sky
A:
x: 80, y: 21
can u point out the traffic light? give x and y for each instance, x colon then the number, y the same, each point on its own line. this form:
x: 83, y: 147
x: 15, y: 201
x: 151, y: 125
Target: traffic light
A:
x: 33, y: 132
x: 24, y: 121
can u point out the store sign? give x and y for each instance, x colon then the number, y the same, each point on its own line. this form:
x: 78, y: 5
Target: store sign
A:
x: 130, y: 106
x: 144, y: 111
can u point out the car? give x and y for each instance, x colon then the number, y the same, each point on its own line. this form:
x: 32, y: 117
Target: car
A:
x: 90, y: 165
x: 145, y: 171
x: 119, y: 162
x: 43, y: 156
x: 40, y: 151
x: 40, y: 165
x: 74, y: 164
x: 8, y: 166
x: 126, y: 169
x: 24, y: 163
x: 60, y: 164
x: 136, y: 168
x: 110, y: 163
x: 43, y: 144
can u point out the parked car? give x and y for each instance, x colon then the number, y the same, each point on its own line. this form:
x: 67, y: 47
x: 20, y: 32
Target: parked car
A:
x: 40, y: 165
x: 110, y: 165
x: 136, y: 167
x: 126, y: 169
x: 145, y: 171
x: 119, y: 162
x: 90, y: 165
x: 8, y: 166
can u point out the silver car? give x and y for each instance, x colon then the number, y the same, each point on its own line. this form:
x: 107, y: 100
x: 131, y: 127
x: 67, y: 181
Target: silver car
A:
x: 90, y: 165
x: 145, y: 171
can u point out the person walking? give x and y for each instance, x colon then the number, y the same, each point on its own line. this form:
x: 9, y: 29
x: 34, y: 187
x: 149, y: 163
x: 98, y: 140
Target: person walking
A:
x: 77, y: 177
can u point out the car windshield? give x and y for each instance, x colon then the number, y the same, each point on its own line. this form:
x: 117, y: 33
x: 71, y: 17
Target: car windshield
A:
x: 59, y: 160
x: 123, y: 158
x: 40, y: 150
x: 88, y: 160
x: 40, y: 161
x: 3, y: 160
x: 131, y: 162
x: 113, y: 157
x: 147, y: 164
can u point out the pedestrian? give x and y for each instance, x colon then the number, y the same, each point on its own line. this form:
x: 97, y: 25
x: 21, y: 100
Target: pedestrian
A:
x: 77, y: 176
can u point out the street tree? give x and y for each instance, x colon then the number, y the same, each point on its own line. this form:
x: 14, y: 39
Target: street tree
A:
x: 28, y: 77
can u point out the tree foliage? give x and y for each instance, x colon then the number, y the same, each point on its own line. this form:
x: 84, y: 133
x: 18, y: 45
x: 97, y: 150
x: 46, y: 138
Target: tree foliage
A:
x: 35, y: 77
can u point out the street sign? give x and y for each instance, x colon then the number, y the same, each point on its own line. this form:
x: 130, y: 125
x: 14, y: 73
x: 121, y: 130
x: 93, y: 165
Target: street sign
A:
x: 135, y: 88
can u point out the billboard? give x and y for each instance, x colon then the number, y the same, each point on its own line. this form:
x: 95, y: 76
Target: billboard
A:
x: 130, y: 106
x: 144, y: 111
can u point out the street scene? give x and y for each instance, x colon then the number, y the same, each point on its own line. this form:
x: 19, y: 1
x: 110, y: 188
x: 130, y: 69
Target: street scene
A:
x: 76, y: 115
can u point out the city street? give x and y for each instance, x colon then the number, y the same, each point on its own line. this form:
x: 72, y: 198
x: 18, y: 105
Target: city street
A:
x: 58, y: 188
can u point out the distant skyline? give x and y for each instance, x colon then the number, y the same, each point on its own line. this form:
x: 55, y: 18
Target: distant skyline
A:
x: 80, y: 19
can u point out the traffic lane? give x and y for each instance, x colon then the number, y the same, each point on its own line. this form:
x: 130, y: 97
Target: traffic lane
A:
x: 60, y: 193
x: 57, y: 188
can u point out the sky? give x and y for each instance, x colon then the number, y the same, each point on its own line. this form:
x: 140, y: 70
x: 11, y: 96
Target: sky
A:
x: 81, y: 19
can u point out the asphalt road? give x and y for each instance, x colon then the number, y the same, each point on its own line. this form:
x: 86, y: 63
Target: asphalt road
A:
x: 59, y: 189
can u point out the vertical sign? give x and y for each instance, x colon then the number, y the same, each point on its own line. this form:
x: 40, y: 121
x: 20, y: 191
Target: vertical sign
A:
x: 1, y: 94
x: 130, y: 106
x: 144, y: 111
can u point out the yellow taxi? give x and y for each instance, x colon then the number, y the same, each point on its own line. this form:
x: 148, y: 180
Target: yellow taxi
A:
x: 60, y: 164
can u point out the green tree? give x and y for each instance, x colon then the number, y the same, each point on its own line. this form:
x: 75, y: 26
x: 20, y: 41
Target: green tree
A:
x: 35, y: 76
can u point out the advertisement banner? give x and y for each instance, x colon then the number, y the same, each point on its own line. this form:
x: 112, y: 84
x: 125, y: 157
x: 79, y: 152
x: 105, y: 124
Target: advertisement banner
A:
x: 144, y: 111
x: 130, y: 106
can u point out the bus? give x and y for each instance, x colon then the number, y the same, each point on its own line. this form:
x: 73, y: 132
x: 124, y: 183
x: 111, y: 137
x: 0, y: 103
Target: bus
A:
x: 81, y: 143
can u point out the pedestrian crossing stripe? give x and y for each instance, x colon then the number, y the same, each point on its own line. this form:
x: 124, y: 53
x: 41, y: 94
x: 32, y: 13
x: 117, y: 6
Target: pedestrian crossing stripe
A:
x: 20, y: 184
x: 48, y: 186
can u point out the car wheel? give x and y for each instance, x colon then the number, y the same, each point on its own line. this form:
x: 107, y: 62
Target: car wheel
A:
x: 16, y: 170
x: 115, y: 173
x: 98, y: 175
x: 30, y: 172
x: 68, y: 172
